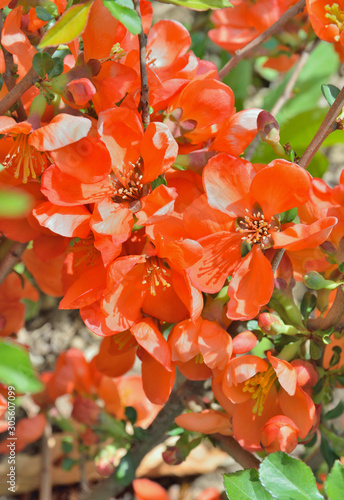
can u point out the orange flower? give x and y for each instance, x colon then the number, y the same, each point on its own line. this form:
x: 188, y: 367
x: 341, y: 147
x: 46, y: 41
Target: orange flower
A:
x: 198, y: 347
x: 327, y: 19
x: 12, y: 310
x: 117, y: 355
x: 261, y: 391
x: 242, y: 218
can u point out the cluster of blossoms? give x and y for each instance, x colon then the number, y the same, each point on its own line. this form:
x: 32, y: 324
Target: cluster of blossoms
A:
x: 162, y: 234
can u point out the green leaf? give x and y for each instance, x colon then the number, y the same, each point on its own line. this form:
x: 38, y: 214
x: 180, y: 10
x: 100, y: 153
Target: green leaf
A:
x: 131, y: 414
x: 42, y: 63
x: 287, y: 478
x: 68, y: 463
x: 327, y: 451
x: 335, y: 412
x: 50, y: 7
x: 334, y: 485
x: 67, y: 444
x: 125, y: 472
x: 57, y: 68
x: 341, y: 267
x: 288, y: 215
x: 16, y: 368
x: 330, y: 93
x: 68, y: 27
x: 158, y: 181
x: 308, y: 303
x: 43, y: 14
x: 14, y: 203
x: 126, y: 15
x: 245, y: 485
x: 200, y: 4
x: 316, y: 281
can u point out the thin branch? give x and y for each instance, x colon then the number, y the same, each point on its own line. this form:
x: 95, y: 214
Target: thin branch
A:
x: 144, y: 101
x: 327, y: 126
x: 8, y: 75
x: 155, y: 434
x: 45, y: 491
x: 11, y: 258
x: 22, y: 86
x: 233, y: 448
x: 261, y: 38
x: 286, y: 95
x: 334, y: 315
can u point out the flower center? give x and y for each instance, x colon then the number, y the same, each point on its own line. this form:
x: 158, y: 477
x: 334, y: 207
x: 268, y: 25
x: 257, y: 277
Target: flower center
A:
x: 124, y: 340
x: 156, y: 274
x: 336, y: 16
x: 255, y: 229
x: 24, y: 160
x: 259, y: 387
x: 127, y: 185
x: 84, y: 251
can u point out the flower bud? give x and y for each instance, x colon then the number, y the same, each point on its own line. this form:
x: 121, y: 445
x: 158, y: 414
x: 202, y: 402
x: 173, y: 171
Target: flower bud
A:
x: 268, y: 128
x: 279, y: 433
x: 80, y: 91
x: 272, y: 325
x: 85, y: 411
x: 104, y: 466
x: 173, y: 455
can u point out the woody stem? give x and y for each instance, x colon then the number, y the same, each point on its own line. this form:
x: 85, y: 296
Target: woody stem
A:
x: 333, y: 316
x: 11, y: 258
x: 233, y: 448
x: 144, y: 100
x: 154, y: 435
x: 25, y: 83
x: 328, y: 125
x: 261, y: 38
x: 8, y: 74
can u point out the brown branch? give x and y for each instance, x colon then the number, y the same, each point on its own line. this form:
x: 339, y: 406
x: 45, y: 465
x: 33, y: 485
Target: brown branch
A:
x: 261, y: 38
x: 287, y: 93
x: 11, y: 258
x: 8, y: 74
x: 155, y: 434
x: 45, y: 491
x: 22, y: 86
x: 327, y: 126
x: 144, y: 100
x: 234, y: 449
x: 334, y: 315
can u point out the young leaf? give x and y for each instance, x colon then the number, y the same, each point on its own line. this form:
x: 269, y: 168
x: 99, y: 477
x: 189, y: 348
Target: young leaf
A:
x: 334, y: 485
x: 200, y: 4
x: 57, y: 69
x: 245, y: 485
x: 330, y: 93
x: 286, y: 477
x: 16, y: 368
x: 335, y: 412
x: 43, y: 14
x: 125, y: 14
x: 68, y: 27
x: 42, y: 63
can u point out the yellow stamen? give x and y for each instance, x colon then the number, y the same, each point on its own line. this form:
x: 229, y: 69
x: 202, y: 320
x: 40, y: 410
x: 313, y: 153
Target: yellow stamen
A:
x: 259, y: 387
x: 156, y: 274
x: 26, y: 160
x: 335, y: 15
